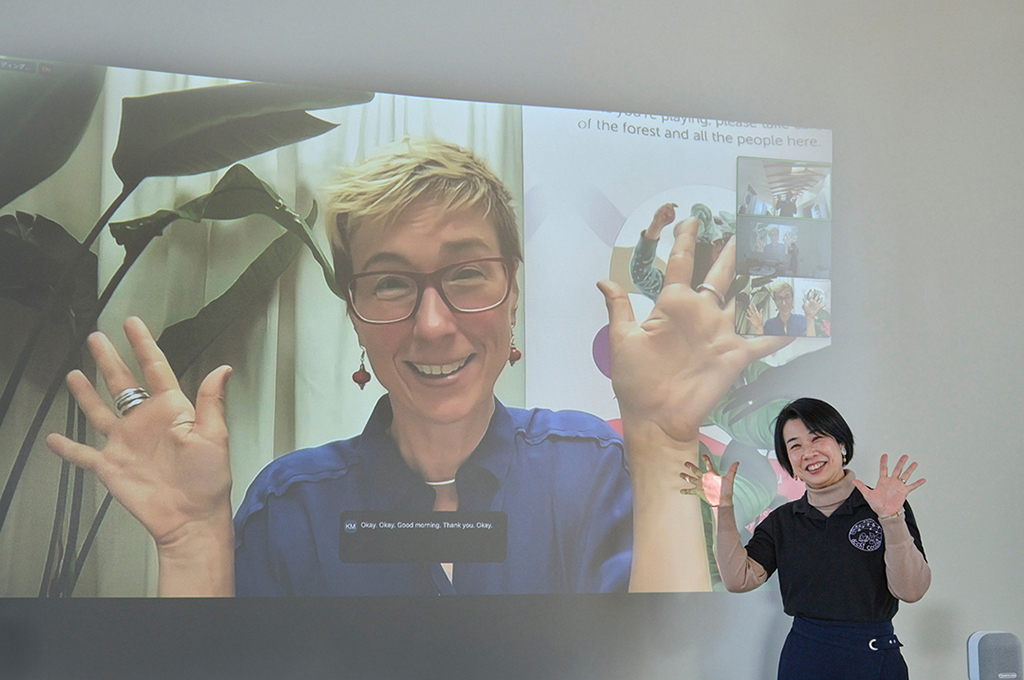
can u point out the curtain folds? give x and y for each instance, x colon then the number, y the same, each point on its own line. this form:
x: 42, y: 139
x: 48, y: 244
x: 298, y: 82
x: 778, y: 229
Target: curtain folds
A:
x: 293, y: 353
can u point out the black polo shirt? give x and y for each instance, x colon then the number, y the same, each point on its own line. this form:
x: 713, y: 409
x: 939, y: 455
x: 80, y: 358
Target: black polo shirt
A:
x: 830, y: 568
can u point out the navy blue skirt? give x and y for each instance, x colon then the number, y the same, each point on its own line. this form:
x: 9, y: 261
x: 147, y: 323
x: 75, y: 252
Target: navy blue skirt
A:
x: 837, y: 650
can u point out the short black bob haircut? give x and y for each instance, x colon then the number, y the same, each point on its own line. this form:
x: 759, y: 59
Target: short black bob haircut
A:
x: 820, y: 418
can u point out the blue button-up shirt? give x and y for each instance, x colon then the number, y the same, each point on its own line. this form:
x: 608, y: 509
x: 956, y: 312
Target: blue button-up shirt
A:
x: 558, y: 477
x: 797, y: 326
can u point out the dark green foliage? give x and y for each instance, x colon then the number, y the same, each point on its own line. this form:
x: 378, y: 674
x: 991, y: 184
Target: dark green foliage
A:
x: 43, y: 115
x: 186, y: 132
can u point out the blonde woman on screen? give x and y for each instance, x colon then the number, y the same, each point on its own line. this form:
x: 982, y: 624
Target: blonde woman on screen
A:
x: 426, y: 247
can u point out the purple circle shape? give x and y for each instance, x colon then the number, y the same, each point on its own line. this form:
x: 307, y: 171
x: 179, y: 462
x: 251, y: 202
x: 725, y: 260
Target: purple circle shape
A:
x: 603, y: 352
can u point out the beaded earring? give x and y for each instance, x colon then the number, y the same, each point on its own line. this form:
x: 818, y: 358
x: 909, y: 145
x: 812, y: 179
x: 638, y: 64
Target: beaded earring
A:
x: 514, y: 354
x: 362, y: 376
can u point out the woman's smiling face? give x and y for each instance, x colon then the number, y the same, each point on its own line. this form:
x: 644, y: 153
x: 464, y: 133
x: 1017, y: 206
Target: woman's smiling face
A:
x: 439, y: 366
x: 816, y: 458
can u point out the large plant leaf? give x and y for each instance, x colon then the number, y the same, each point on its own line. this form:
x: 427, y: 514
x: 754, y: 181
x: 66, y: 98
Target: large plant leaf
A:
x: 738, y: 284
x: 35, y: 256
x: 708, y: 522
x: 238, y: 194
x: 753, y: 428
x: 823, y: 324
x: 44, y: 110
x: 183, y: 342
x: 203, y: 129
x: 754, y: 370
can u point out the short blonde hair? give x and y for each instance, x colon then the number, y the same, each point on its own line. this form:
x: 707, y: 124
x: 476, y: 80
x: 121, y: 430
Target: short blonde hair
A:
x: 381, y: 187
x: 781, y: 287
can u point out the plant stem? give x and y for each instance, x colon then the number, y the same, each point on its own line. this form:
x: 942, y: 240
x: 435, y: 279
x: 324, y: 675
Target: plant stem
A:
x: 58, y: 513
x: 73, y: 521
x: 87, y: 543
x: 73, y: 563
x: 70, y: 360
x: 51, y: 306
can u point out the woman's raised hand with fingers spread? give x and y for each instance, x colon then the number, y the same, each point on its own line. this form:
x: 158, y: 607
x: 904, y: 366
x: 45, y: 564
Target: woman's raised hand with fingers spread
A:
x: 813, y: 303
x: 164, y: 460
x: 668, y: 373
x: 670, y: 370
x: 756, y: 319
x: 891, y: 491
x: 663, y: 217
x: 711, y: 487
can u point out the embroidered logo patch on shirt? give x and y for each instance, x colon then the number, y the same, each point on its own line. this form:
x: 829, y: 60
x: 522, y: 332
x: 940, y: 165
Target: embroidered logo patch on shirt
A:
x: 866, y: 535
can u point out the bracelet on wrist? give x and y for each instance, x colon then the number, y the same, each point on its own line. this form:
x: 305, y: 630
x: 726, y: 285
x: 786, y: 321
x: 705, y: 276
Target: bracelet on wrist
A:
x: 898, y: 513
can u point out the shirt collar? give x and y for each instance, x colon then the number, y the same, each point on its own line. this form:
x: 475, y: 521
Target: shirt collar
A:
x: 494, y: 452
x: 843, y: 490
x: 487, y: 466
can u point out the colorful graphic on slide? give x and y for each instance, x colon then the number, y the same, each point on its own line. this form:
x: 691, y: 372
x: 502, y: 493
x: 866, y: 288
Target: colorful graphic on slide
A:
x: 595, y: 182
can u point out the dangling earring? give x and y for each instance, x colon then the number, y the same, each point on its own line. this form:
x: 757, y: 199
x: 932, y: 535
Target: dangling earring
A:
x: 842, y: 450
x: 362, y: 376
x: 514, y: 354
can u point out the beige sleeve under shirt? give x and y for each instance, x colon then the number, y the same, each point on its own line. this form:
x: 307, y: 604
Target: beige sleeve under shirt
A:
x: 905, y: 568
x: 739, y: 573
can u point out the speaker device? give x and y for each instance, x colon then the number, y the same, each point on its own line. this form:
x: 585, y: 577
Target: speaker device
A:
x: 994, y: 655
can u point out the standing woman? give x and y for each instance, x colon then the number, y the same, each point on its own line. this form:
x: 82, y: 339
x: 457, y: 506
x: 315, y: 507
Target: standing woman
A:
x: 846, y: 553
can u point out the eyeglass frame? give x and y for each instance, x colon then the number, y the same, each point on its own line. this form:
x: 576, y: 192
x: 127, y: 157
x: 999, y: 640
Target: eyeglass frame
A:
x: 433, y: 280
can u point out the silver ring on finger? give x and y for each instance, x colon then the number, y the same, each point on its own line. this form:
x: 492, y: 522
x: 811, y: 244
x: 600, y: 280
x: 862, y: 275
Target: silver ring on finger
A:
x: 712, y: 289
x: 128, y: 399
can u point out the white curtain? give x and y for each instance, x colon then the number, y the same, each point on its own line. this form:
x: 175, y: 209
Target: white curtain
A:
x: 293, y: 353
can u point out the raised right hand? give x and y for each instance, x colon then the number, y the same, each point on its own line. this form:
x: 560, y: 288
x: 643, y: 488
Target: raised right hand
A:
x: 813, y: 303
x: 756, y: 320
x: 711, y: 487
x: 671, y: 370
x: 668, y: 373
x: 166, y: 462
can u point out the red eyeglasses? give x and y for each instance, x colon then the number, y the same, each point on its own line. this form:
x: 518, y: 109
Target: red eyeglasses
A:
x: 466, y: 287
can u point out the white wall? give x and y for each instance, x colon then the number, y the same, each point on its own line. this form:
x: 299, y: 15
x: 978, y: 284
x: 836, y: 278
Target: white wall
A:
x: 925, y: 101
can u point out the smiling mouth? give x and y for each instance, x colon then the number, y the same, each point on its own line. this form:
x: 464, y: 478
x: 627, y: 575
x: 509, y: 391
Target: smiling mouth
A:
x: 814, y: 467
x: 439, y: 370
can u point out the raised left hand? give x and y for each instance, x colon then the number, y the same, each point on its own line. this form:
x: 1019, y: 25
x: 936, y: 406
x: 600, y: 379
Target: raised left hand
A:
x: 891, y: 491
x: 708, y: 485
x: 669, y: 371
x: 663, y: 217
x: 813, y: 304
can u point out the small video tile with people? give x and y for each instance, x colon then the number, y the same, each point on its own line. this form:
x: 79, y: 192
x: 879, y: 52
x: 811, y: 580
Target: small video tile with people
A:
x: 783, y: 188
x: 783, y: 247
x: 794, y: 307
